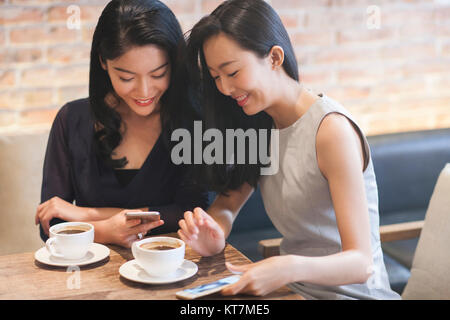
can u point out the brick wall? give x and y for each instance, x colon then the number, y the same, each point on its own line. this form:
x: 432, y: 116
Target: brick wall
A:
x: 387, y: 61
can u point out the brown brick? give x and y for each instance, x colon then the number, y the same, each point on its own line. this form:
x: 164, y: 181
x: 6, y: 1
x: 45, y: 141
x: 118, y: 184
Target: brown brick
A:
x: 440, y: 86
x: 7, y: 119
x: 292, y: 20
x: 400, y: 122
x: 363, y: 35
x: 27, y: 55
x: 33, y: 77
x: 417, y: 31
x: 405, y: 117
x: 37, y: 117
x: 446, y: 49
x: 347, y: 93
x: 442, y: 30
x: 72, y: 76
x: 2, y: 37
x: 414, y: 15
x: 187, y: 22
x: 334, y: 19
x: 38, y: 2
x: 38, y: 98
x: 310, y: 77
x: 416, y: 121
x: 299, y: 4
x: 369, y: 74
x: 209, y: 5
x: 442, y: 14
x: 303, y: 55
x: 443, y: 120
x: 42, y: 35
x: 182, y: 7
x: 425, y: 103
x: 87, y: 32
x: 393, y: 79
x: 11, y: 100
x: 7, y: 79
x: 352, y: 3
x: 20, y: 15
x: 67, y: 94
x: 374, y: 106
x: 405, y: 51
x: 426, y: 66
x: 87, y: 13
x: 382, y: 125
x: 342, y: 55
x: 5, y: 57
x: 58, y: 13
x: 11, y: 56
x: 304, y: 38
x: 63, y: 54
x: 57, y: 77
x: 92, y: 13
x: 399, y: 89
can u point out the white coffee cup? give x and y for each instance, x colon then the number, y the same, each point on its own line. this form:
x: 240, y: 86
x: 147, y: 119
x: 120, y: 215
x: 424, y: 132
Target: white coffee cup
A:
x: 156, y: 262
x: 68, y: 245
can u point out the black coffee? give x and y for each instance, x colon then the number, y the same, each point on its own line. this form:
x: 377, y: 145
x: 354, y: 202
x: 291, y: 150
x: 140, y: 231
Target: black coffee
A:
x: 159, y: 246
x: 73, y: 230
x: 162, y: 248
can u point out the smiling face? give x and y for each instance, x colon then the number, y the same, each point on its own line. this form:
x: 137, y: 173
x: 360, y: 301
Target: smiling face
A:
x: 239, y: 73
x: 140, y: 77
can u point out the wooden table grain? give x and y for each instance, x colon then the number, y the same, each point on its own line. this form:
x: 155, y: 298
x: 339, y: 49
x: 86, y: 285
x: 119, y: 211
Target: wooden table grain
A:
x: 22, y: 277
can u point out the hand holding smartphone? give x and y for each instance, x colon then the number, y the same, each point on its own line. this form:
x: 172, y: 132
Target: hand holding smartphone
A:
x: 145, y: 216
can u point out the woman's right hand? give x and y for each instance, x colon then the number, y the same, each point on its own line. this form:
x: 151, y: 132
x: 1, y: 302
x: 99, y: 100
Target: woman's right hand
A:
x: 59, y: 208
x: 201, y: 232
x: 122, y: 231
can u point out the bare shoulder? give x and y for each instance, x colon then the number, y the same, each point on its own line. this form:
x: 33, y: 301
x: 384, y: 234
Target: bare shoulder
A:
x: 337, y: 142
x: 335, y: 128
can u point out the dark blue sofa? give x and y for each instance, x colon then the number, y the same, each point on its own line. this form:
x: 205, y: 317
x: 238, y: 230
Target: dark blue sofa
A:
x: 407, y: 166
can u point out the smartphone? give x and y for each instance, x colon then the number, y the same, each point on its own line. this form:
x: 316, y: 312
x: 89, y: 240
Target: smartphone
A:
x: 206, y: 289
x: 145, y: 217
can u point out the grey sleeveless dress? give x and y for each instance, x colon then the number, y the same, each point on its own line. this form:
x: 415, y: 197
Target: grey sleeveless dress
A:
x: 298, y: 201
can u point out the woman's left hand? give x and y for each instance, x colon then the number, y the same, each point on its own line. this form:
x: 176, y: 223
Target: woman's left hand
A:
x: 260, y: 278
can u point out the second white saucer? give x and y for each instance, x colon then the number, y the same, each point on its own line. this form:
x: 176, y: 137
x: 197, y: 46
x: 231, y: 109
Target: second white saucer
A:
x: 96, y: 252
x: 131, y: 270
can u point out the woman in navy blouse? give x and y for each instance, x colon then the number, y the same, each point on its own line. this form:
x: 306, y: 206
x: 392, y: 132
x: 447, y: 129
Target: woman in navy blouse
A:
x: 111, y: 151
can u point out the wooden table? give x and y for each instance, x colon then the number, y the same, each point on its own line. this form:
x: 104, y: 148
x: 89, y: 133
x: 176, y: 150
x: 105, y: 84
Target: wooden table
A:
x: 21, y: 277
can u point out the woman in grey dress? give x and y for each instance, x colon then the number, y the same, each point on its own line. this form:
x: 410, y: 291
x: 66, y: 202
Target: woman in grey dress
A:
x: 323, y: 197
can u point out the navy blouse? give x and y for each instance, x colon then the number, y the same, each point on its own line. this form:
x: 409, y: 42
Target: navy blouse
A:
x: 74, y: 172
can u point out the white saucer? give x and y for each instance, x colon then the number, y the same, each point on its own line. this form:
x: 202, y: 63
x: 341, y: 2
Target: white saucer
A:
x: 96, y: 252
x: 131, y: 270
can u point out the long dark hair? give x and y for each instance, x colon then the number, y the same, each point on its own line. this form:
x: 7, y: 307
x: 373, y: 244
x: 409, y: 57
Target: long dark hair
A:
x: 255, y: 26
x: 122, y: 25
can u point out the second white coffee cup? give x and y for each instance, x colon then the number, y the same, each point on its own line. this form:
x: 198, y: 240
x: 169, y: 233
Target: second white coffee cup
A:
x: 159, y: 256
